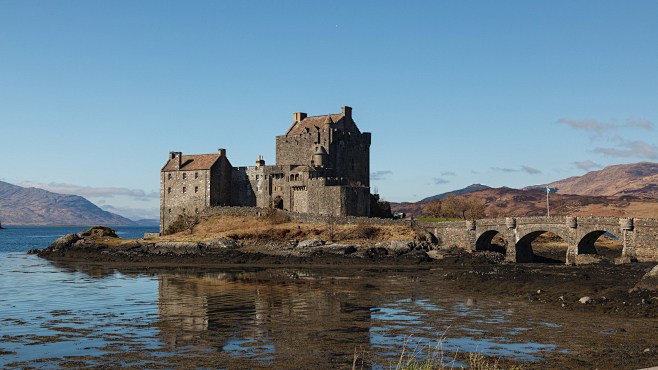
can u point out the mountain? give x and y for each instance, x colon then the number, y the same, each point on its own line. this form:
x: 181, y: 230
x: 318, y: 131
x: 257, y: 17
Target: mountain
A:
x: 148, y: 222
x: 466, y: 190
x: 619, y: 190
x: 637, y: 179
x: 32, y: 206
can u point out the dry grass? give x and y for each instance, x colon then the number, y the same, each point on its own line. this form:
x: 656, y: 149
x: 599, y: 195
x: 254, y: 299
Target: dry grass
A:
x: 252, y: 229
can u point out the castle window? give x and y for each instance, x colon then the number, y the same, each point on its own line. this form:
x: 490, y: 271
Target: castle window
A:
x: 169, y: 210
x: 184, y: 189
x: 184, y: 175
x: 168, y: 176
x: 168, y: 190
x: 196, y: 210
x: 196, y: 175
x: 196, y: 189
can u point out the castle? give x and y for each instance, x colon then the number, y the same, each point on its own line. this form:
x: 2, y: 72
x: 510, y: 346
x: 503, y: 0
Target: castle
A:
x: 322, y: 167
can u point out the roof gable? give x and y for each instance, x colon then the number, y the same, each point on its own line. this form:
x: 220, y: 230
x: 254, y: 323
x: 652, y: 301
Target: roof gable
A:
x: 192, y: 162
x: 338, y: 121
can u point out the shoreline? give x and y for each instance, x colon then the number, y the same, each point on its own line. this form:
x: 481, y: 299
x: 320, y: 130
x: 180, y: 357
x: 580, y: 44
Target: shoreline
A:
x: 603, y: 292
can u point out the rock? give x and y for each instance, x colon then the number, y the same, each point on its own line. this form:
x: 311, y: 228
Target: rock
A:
x: 436, y: 255
x: 34, y: 251
x: 649, y: 281
x: 310, y: 243
x: 538, y: 291
x: 589, y: 259
x: 398, y: 247
x: 99, y: 232
x: 585, y: 300
x: 64, y: 242
x: 471, y: 301
x: 350, y: 249
x: 376, y: 252
x: 220, y: 244
x: 622, y: 260
x: 177, y: 248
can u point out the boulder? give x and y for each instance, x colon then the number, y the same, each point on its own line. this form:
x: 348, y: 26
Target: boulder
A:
x: 649, y: 281
x: 398, y: 247
x: 436, y: 255
x: 376, y: 252
x: 99, y: 232
x: 64, y: 242
x: 309, y: 243
x: 220, y: 244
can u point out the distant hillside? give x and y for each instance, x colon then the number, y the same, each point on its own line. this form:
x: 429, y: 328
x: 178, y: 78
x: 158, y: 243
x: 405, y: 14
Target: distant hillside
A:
x: 32, y: 206
x: 466, y: 190
x: 637, y: 179
x: 148, y: 222
x: 503, y: 202
x: 620, y: 190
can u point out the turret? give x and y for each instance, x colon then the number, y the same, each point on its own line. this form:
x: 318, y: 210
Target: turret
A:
x: 320, y: 157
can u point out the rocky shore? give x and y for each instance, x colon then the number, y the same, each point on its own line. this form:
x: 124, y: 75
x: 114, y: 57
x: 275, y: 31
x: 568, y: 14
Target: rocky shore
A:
x: 622, y: 294
x: 101, y: 244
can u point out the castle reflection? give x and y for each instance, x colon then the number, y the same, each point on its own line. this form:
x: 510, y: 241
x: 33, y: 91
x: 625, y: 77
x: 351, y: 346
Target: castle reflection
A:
x: 271, y: 316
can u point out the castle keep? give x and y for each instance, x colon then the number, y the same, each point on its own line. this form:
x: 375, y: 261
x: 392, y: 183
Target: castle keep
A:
x: 322, y: 167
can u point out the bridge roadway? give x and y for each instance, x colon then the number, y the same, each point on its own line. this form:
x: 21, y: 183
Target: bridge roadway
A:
x: 638, y: 235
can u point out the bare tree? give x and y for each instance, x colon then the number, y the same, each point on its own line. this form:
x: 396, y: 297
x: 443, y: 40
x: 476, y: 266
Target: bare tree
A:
x: 452, y: 206
x: 189, y: 221
x: 433, y: 209
x: 476, y: 208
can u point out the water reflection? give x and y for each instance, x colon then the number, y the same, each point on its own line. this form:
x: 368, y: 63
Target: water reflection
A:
x: 80, y: 315
x: 267, y: 316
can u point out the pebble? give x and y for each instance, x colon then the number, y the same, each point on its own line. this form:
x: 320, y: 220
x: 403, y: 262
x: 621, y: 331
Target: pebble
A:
x: 585, y: 300
x: 538, y: 291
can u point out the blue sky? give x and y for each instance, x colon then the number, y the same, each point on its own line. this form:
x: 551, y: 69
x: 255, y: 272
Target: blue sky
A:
x: 94, y: 94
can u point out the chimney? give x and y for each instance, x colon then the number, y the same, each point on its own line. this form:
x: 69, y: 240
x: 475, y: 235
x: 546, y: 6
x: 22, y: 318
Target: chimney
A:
x: 347, y: 111
x: 176, y: 156
x: 221, y: 152
x: 260, y: 162
x: 298, y: 116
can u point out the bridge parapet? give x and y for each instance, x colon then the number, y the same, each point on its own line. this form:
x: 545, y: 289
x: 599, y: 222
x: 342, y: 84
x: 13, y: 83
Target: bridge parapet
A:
x: 639, y: 236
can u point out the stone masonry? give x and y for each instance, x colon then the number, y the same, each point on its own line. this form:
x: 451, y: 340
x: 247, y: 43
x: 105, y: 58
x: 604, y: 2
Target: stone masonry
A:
x: 639, y: 236
x: 322, y: 167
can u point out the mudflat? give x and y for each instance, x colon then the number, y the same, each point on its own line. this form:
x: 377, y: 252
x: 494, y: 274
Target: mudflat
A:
x: 602, y: 319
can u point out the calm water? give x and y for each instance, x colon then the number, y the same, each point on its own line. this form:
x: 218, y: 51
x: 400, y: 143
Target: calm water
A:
x: 55, y: 315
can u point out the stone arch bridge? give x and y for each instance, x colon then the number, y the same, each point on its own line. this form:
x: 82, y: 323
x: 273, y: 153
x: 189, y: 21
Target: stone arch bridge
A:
x: 638, y: 236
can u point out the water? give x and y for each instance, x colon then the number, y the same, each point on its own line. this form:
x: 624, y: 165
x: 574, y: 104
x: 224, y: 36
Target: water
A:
x: 55, y: 314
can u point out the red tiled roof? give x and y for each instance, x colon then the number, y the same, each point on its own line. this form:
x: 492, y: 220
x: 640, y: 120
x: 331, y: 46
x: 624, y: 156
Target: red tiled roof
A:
x: 192, y: 162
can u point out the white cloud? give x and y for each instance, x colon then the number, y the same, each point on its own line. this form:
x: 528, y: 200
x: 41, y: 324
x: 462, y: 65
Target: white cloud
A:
x: 439, y: 181
x: 92, y: 192
x: 638, y: 148
x: 522, y: 168
x: 586, y: 165
x: 599, y: 127
x: 587, y: 125
x: 530, y: 170
x: 380, y: 175
x: 134, y: 213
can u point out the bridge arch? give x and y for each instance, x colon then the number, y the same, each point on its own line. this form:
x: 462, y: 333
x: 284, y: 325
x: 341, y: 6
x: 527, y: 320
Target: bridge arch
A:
x: 524, y: 251
x: 486, y: 242
x: 613, y: 249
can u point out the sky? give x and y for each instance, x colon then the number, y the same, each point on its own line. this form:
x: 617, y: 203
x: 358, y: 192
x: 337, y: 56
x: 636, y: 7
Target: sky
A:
x: 95, y: 94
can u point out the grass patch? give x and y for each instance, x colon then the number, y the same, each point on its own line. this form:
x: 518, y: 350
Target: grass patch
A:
x: 437, y: 219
